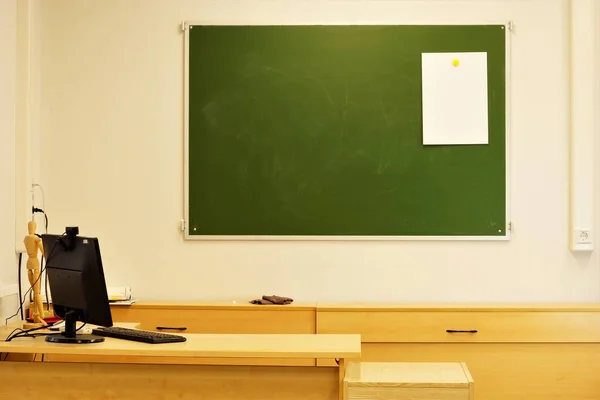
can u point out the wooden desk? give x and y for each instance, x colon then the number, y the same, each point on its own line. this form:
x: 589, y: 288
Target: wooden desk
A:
x: 224, y: 317
x: 156, y: 381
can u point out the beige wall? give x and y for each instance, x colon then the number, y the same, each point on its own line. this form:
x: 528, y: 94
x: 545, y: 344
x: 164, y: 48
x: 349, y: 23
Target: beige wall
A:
x: 8, y: 307
x: 110, y: 121
x: 8, y: 61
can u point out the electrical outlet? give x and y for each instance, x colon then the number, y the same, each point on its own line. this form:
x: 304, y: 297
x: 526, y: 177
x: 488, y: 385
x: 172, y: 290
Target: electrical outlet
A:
x: 583, y: 236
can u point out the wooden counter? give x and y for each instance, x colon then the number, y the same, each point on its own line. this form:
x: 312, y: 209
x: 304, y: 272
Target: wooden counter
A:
x: 520, y: 351
x: 513, y: 351
x: 204, y: 345
x: 171, y: 379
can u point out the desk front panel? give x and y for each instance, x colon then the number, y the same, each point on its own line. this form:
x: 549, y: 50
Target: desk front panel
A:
x: 98, y: 381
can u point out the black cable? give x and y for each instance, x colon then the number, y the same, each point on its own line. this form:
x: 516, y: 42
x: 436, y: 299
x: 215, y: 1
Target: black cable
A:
x: 39, y: 210
x: 46, y: 285
x: 14, y: 330
x: 20, y: 285
x: 23, y: 300
x: 28, y: 333
x: 35, y: 210
x: 36, y: 281
x: 24, y: 332
x: 34, y: 335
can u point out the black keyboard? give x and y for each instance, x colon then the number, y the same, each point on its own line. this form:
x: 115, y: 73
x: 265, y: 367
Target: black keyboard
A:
x: 137, y: 335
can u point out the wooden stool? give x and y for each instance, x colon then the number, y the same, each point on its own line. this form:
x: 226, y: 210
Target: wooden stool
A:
x: 407, y: 380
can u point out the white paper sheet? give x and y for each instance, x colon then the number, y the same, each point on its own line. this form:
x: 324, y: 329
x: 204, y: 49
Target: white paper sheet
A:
x: 455, y: 106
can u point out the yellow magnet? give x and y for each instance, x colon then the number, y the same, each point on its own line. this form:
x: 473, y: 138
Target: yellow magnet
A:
x: 455, y: 62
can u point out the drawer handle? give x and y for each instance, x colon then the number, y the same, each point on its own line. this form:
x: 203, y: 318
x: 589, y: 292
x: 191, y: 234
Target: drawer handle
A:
x: 461, y: 331
x: 171, y: 328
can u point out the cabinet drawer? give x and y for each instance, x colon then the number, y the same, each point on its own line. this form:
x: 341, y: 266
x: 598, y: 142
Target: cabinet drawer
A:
x: 463, y: 326
x: 219, y: 320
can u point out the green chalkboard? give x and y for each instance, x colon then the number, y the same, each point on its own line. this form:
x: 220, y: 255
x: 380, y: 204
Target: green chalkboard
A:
x: 317, y: 130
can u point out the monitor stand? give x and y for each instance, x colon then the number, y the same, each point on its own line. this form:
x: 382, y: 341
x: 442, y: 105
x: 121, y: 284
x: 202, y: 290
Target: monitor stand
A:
x: 70, y: 334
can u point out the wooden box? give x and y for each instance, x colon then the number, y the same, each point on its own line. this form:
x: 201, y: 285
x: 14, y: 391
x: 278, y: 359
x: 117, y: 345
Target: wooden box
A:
x: 407, y: 381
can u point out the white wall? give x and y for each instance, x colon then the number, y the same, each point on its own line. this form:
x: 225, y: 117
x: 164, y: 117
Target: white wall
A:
x: 111, y: 126
x: 27, y: 118
x: 8, y: 61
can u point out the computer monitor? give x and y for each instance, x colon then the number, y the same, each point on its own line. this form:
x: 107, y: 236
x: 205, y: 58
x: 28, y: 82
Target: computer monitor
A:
x: 77, y: 284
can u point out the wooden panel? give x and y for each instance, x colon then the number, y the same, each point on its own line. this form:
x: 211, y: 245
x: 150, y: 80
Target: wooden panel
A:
x: 305, y: 362
x: 20, y: 357
x: 58, y: 381
x: 508, y: 371
x: 490, y: 307
x: 221, y: 320
x: 386, y: 393
x: 407, y: 374
x: 492, y: 327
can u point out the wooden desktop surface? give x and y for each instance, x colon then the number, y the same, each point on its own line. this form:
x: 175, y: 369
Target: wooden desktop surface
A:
x: 202, y: 345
